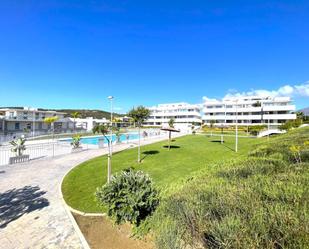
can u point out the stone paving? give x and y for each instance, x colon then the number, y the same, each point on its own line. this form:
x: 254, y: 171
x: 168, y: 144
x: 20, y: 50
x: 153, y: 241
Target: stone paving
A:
x: 32, y: 212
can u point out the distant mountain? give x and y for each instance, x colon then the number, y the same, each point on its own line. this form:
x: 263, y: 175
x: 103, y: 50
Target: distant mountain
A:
x: 83, y: 112
x: 305, y: 111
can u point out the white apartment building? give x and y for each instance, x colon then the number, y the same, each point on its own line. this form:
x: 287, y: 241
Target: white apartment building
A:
x: 86, y: 124
x: 21, y: 120
x: 185, y: 115
x: 249, y: 110
x: 26, y: 120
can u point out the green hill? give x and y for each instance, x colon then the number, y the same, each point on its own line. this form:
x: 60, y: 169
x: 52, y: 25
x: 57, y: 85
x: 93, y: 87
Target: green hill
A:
x: 87, y: 113
x: 83, y: 112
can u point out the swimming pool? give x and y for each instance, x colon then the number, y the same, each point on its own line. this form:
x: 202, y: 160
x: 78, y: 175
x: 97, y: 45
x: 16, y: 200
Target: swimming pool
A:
x: 95, y: 139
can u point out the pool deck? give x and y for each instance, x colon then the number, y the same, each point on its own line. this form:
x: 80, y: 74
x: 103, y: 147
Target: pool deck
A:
x: 32, y: 211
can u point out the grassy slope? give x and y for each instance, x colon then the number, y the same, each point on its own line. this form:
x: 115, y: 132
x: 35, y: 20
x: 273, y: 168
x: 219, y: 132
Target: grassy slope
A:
x: 165, y: 167
x: 259, y: 202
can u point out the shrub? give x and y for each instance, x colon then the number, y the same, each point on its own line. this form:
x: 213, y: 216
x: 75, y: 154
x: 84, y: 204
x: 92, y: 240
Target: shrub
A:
x: 18, y: 146
x: 255, y: 129
x: 130, y: 196
x: 291, y: 124
x: 76, y: 141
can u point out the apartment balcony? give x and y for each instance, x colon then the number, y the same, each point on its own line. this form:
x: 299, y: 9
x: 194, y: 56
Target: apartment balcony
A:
x: 177, y: 120
x: 251, y: 109
x: 251, y: 117
x: 280, y: 108
x: 279, y: 116
x: 172, y: 114
x: 20, y: 119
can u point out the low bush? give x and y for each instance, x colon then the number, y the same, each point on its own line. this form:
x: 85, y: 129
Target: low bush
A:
x: 130, y: 196
x: 256, y: 129
x: 76, y: 141
x: 291, y: 124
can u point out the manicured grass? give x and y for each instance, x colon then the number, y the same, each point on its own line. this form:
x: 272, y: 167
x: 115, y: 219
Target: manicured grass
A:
x: 188, y: 155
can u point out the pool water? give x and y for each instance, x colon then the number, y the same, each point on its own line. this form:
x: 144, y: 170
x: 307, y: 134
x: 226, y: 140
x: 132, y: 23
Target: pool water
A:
x: 95, y: 140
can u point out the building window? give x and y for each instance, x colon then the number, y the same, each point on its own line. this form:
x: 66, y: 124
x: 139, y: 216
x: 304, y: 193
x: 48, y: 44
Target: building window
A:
x: 17, y: 127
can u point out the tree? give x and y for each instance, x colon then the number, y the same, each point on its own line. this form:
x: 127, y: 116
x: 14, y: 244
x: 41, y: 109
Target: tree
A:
x: 75, y: 115
x: 139, y: 115
x: 257, y: 104
x: 291, y: 124
x: 171, y: 122
x: 256, y: 129
x: 104, y: 130
x: 51, y: 121
x: 117, y: 134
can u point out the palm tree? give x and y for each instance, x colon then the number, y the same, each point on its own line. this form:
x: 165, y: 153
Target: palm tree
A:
x: 300, y: 116
x: 50, y: 121
x: 171, y: 122
x: 75, y: 115
x: 117, y: 134
x: 104, y: 130
x: 18, y: 146
x: 139, y: 115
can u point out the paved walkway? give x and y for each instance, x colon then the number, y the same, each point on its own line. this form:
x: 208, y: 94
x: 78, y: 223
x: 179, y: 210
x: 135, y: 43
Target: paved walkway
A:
x: 32, y: 213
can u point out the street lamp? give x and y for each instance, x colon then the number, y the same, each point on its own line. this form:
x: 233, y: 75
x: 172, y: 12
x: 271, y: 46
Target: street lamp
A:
x: 111, y: 131
x: 33, y: 121
x: 236, y: 132
x: 110, y: 152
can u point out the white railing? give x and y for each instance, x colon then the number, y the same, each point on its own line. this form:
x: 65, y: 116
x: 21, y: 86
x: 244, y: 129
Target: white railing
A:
x: 37, y: 150
x: 41, y: 149
x: 14, y: 135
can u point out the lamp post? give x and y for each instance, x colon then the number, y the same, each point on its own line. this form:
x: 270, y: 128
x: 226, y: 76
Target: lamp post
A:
x: 236, y: 132
x: 111, y: 131
x: 110, y: 152
x: 268, y: 121
x: 33, y: 122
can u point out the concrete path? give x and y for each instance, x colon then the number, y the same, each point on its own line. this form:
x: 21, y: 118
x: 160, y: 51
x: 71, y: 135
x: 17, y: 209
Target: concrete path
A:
x: 32, y: 212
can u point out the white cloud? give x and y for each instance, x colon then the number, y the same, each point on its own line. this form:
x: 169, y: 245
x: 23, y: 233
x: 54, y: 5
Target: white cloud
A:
x: 302, y: 90
x: 208, y: 99
x: 287, y: 90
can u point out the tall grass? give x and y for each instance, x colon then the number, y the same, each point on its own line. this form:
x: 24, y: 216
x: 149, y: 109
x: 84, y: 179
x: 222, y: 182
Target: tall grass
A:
x: 261, y: 201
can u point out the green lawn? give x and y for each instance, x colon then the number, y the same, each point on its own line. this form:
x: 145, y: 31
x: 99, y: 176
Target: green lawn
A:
x: 189, y: 154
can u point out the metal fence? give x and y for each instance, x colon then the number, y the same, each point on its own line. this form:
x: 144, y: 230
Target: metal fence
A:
x: 41, y: 149
x: 11, y: 136
x: 37, y: 150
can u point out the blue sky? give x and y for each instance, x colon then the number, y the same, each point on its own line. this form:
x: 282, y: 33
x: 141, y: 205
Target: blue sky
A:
x: 73, y: 54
